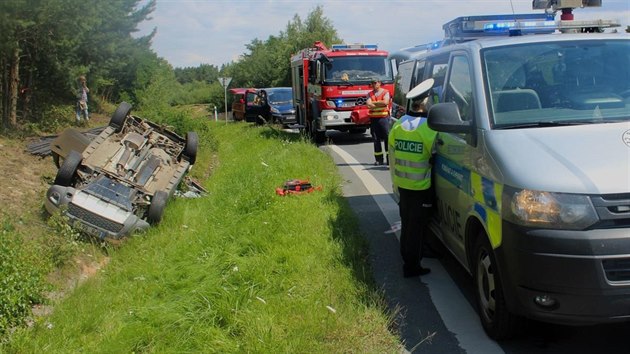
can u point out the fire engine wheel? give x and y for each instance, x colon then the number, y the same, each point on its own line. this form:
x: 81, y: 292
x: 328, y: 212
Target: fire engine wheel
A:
x: 156, y: 209
x: 358, y: 130
x: 119, y: 116
x: 68, y: 169
x: 190, y: 150
x: 496, y: 320
x: 318, y: 136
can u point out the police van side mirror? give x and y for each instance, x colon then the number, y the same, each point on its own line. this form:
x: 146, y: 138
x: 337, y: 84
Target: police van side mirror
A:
x: 445, y: 117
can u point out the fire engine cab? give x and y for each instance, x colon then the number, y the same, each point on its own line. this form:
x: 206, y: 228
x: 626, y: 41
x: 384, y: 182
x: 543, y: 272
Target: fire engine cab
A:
x: 330, y: 86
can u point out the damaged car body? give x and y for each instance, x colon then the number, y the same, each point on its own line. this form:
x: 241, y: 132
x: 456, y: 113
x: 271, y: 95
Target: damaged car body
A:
x: 122, y: 180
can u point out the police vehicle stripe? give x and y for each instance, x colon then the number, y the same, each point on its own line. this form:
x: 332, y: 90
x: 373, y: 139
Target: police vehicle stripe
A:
x: 486, y: 194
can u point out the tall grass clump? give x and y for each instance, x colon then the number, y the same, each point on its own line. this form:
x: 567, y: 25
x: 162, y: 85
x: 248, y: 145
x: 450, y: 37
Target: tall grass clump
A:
x: 240, y: 270
x: 21, y: 283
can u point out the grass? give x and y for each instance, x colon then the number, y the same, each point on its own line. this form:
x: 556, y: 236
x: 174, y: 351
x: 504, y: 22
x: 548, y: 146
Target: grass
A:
x: 241, y: 270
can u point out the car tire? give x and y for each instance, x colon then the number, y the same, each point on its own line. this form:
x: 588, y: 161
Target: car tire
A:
x: 68, y: 169
x: 495, y: 317
x: 56, y: 159
x: 118, y: 118
x: 156, y: 209
x: 190, y: 150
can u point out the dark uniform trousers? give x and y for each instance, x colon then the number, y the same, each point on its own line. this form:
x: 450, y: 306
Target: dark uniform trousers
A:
x: 415, y: 210
x: 379, y: 129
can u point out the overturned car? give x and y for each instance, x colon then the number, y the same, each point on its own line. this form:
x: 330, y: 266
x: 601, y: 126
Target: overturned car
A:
x: 123, y: 178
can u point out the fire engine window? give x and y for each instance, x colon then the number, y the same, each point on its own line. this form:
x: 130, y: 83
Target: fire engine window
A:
x: 459, y: 88
x: 355, y: 68
x: 311, y: 73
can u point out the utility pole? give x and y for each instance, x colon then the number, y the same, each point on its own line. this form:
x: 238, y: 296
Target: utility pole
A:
x: 225, y: 82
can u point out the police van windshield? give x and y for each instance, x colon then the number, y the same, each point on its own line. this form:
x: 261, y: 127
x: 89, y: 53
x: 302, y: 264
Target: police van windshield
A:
x: 551, y: 82
x: 358, y: 69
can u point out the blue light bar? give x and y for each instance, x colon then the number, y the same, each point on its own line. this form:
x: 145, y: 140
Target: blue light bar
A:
x: 354, y: 46
x: 471, y: 27
x: 522, y: 25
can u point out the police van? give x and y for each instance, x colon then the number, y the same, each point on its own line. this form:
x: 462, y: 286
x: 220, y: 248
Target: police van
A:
x: 532, y: 165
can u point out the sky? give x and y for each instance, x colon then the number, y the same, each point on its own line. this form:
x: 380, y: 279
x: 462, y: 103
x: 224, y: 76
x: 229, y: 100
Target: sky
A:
x: 215, y: 32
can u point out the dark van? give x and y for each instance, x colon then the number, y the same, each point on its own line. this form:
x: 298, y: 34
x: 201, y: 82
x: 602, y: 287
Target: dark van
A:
x: 280, y: 100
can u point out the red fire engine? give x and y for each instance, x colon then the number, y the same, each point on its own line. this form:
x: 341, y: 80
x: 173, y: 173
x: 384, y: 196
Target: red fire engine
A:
x: 330, y: 86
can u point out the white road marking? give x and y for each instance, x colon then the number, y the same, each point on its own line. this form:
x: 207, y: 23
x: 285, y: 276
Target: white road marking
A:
x: 456, y: 313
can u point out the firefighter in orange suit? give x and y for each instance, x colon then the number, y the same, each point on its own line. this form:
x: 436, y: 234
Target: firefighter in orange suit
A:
x: 378, y: 102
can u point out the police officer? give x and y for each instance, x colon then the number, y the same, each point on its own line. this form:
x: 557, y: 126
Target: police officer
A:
x: 410, y: 146
x: 378, y: 104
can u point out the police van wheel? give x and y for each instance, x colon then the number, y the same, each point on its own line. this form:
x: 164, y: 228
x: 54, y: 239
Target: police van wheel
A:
x: 497, y: 321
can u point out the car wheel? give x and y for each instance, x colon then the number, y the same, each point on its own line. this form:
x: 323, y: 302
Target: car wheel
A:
x: 496, y: 320
x: 119, y: 116
x: 156, y: 209
x: 68, y: 169
x: 190, y: 150
x: 56, y: 159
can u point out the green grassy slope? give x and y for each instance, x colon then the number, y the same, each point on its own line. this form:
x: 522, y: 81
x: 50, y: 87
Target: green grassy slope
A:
x: 238, y: 270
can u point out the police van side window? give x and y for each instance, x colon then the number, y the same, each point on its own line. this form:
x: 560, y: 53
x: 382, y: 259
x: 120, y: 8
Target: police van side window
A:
x: 459, y: 87
x: 437, y: 68
x: 404, y: 80
x: 419, y: 74
x: 404, y: 83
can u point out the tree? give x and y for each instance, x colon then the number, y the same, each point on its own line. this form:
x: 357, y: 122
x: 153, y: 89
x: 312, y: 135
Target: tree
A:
x: 204, y: 72
x: 46, y: 44
x: 14, y: 30
x: 267, y: 62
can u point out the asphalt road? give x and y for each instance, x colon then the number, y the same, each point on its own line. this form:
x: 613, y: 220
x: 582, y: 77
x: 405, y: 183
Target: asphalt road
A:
x: 435, y: 313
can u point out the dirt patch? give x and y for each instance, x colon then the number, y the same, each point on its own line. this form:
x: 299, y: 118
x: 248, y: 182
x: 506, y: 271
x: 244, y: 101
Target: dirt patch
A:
x: 25, y: 178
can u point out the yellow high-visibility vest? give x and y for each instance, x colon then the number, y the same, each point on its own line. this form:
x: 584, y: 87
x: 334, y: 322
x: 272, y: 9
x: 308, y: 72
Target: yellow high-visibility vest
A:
x: 410, y: 151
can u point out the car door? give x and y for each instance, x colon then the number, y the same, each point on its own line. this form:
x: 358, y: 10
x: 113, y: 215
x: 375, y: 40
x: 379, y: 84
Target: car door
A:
x: 452, y: 169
